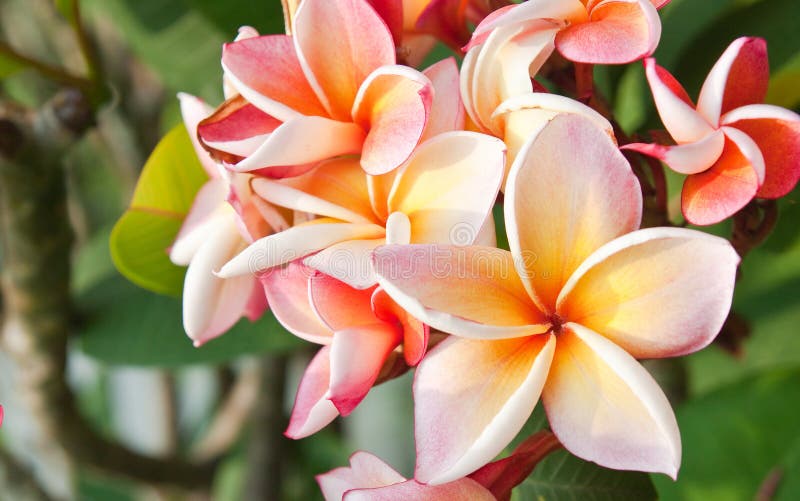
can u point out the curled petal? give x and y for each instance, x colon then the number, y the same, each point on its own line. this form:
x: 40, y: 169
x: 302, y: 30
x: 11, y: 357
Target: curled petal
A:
x: 194, y: 110
x: 338, y: 305
x: 365, y: 471
x: 686, y: 276
x: 207, y: 213
x: 415, y: 333
x: 572, y: 181
x: 392, y: 105
x: 680, y: 118
x: 472, y: 397
x: 447, y: 110
x: 466, y: 291
x: 349, y: 262
x: 235, y: 130
x: 740, y: 77
x: 339, y: 43
x: 617, y: 32
x: 605, y: 407
x: 312, y: 411
x: 689, y: 158
x: 464, y: 488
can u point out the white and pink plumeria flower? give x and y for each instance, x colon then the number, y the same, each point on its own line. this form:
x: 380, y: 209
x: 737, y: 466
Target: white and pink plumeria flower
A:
x: 732, y: 147
x: 330, y: 88
x: 360, y: 330
x: 564, y: 315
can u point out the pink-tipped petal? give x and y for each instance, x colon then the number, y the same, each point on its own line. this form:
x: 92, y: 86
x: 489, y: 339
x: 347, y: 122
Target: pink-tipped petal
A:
x: 207, y: 210
x: 716, y: 194
x: 312, y: 411
x: 776, y: 131
x: 439, y: 209
x: 618, y: 32
x: 257, y: 303
x: 749, y: 150
x: 415, y: 333
x: 349, y: 262
x: 605, y: 407
x: 295, y: 243
x: 193, y: 111
x: 266, y: 71
x: 357, y: 356
x: 235, y: 130
x: 740, y: 77
x: 466, y: 291
x: 365, y: 471
x: 689, y: 158
x: 685, y: 275
x: 304, y: 140
x: 472, y: 397
x: 572, y: 181
x: 393, y: 106
x: 339, y: 43
x: 411, y: 490
x: 287, y: 294
x: 338, y: 305
x: 680, y: 118
x: 447, y: 110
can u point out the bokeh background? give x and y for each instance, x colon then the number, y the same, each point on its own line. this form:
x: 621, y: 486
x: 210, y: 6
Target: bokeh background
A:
x: 219, y: 410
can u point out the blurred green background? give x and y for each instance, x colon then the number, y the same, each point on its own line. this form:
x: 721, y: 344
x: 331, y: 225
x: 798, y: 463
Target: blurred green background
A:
x: 140, y: 380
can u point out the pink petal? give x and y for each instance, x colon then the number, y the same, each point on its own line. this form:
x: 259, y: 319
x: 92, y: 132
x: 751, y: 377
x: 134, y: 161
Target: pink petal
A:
x: 713, y: 195
x: 304, y: 140
x: 447, y: 110
x: 338, y: 305
x: 266, y: 71
x: 740, y: 77
x: 349, y: 262
x: 467, y: 291
x: 392, y: 105
x: 194, y: 110
x: 605, y: 407
x: 203, y: 218
x: 287, y: 294
x: 683, y: 123
x: 357, y: 356
x: 618, y: 32
x: 462, y: 489
x: 365, y: 471
x: 471, y: 398
x: 312, y: 411
x: 575, y: 184
x: 686, y: 276
x: 776, y: 131
x: 689, y: 158
x: 339, y: 43
x: 415, y: 333
x: 257, y: 304
x: 235, y: 130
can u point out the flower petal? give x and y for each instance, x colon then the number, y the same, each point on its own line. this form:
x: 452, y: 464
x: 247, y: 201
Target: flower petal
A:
x: 572, y: 181
x: 415, y: 333
x: 464, y: 488
x: 466, y: 291
x: 365, y: 471
x: 685, y: 275
x: 349, y: 261
x: 447, y: 110
x: 688, y: 158
x: 680, y: 118
x: 392, y: 105
x: 618, y: 32
x: 339, y: 43
x: 312, y: 411
x: 287, y: 291
x: 338, y: 305
x: 713, y: 195
x: 448, y: 186
x: 235, y: 130
x: 472, y: 397
x: 605, y: 407
x: 776, y: 131
x: 265, y: 70
x: 740, y: 77
x: 294, y: 243
x: 357, y: 356
x: 207, y: 212
x: 303, y: 140
x: 193, y: 111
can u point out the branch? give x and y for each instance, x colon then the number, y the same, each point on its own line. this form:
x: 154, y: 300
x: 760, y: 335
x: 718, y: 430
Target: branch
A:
x: 36, y: 273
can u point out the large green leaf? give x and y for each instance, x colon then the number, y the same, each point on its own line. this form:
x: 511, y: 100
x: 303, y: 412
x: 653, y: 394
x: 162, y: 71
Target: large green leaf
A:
x: 163, y: 196
x: 735, y: 438
x: 228, y: 16
x: 9, y: 65
x: 128, y: 326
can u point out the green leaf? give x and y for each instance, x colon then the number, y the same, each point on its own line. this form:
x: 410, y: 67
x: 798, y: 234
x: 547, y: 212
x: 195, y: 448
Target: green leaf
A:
x: 563, y: 476
x: 163, y: 196
x: 228, y: 16
x: 64, y: 7
x: 735, y: 437
x: 9, y: 65
x: 128, y: 326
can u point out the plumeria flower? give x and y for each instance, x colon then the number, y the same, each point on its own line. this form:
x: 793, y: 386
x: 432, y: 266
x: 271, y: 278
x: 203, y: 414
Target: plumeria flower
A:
x: 732, y: 147
x: 360, y: 330
x: 331, y: 88
x: 510, y: 46
x: 565, y: 314
x: 443, y: 194
x: 224, y: 218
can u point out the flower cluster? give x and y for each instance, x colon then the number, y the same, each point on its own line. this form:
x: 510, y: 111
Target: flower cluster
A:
x: 353, y: 195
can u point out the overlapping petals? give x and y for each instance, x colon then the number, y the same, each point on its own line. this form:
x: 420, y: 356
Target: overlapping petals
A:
x: 732, y: 147
x: 326, y: 86
x: 591, y: 284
